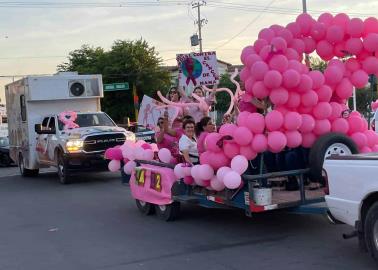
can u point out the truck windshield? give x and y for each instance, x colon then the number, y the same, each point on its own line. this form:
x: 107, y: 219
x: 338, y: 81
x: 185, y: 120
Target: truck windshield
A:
x: 4, y: 142
x: 90, y: 120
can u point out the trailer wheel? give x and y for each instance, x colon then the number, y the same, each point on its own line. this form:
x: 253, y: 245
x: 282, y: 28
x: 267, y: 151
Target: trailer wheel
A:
x: 168, y: 212
x: 327, y: 145
x: 145, y: 207
x: 371, y: 231
x: 63, y: 174
x: 25, y: 172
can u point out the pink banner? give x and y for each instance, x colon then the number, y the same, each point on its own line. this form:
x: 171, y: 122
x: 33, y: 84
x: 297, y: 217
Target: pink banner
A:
x: 152, y: 184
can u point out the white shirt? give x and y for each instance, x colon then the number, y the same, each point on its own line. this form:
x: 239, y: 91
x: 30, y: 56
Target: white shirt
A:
x: 190, y: 145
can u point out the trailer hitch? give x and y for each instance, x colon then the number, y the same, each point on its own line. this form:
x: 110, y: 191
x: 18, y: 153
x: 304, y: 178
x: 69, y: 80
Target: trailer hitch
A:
x: 349, y: 235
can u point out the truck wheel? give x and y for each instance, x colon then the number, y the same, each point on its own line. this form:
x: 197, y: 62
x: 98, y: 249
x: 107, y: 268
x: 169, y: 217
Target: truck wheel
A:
x: 371, y: 231
x: 145, y: 207
x: 327, y: 145
x: 25, y: 172
x: 64, y: 177
x: 168, y: 212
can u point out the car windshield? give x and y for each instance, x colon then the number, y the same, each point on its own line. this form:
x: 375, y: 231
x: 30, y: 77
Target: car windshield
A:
x: 91, y: 120
x: 4, y: 141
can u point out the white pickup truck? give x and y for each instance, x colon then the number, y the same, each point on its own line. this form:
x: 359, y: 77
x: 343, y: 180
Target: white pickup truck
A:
x: 353, y: 196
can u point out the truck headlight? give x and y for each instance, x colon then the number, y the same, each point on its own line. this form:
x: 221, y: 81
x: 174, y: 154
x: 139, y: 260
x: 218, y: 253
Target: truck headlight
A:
x: 74, y: 145
x: 130, y: 137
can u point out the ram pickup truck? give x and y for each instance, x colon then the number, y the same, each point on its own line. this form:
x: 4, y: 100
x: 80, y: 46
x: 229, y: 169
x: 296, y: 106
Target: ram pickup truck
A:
x: 353, y: 196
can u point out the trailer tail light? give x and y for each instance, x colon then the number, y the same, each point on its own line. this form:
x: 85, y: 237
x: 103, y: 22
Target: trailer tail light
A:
x: 325, y: 182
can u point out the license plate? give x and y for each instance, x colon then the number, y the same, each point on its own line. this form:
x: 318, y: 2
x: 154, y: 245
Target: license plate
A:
x: 145, y: 138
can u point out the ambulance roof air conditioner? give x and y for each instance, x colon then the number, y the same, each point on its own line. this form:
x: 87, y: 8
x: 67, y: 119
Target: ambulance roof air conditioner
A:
x: 84, y: 88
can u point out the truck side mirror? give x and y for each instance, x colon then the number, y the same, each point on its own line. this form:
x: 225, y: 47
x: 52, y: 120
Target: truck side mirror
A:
x: 38, y: 128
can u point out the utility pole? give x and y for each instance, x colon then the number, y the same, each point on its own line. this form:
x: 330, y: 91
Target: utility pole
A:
x: 307, y: 57
x: 199, y: 21
x: 304, y: 5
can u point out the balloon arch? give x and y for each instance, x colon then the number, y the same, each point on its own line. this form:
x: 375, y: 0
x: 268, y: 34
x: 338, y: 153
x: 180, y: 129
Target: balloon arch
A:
x: 307, y: 103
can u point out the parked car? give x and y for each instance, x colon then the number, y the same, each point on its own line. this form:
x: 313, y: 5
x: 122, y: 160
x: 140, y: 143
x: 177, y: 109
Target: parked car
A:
x: 5, y: 159
x: 353, y: 196
x: 142, y: 133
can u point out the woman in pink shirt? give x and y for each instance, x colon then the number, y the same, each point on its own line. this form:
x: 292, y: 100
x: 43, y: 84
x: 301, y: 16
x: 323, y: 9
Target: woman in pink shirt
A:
x: 203, y: 128
x: 167, y: 137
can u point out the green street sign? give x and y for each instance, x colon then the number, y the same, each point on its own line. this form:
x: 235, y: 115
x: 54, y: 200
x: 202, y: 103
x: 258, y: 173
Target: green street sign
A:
x: 116, y: 86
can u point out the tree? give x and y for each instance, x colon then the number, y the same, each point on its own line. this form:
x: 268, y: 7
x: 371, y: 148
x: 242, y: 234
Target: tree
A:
x: 317, y: 64
x: 134, y: 62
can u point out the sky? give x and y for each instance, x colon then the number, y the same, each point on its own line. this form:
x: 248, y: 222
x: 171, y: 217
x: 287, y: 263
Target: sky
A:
x: 35, y: 39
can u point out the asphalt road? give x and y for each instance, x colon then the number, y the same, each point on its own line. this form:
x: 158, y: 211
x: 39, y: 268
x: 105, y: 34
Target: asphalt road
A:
x: 94, y: 224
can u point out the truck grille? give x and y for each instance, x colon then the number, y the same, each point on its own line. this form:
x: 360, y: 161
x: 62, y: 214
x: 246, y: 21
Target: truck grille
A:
x: 102, y: 142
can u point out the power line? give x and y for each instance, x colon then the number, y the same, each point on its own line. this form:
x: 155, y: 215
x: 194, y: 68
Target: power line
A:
x: 246, y: 27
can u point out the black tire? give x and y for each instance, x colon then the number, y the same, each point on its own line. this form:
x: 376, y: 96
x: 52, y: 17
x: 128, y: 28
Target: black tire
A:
x: 63, y: 173
x: 319, y: 150
x: 26, y: 172
x: 145, y: 207
x: 168, y: 212
x: 361, y: 241
x: 371, y: 231
x: 5, y: 160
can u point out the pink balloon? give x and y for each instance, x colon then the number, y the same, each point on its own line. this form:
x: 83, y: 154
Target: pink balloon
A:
x: 188, y: 180
x: 259, y: 90
x: 366, y: 149
x: 279, y: 44
x: 318, y: 31
x: 372, y: 138
x: 374, y: 149
x: 291, y: 78
x: 305, y: 22
x: 148, y: 154
x: 322, y: 110
x: 324, y: 49
x: 292, y: 54
x: 251, y: 59
x: 334, y: 34
x: 279, y: 96
x: 138, y: 152
x: 371, y: 25
x: 259, y: 44
x: 266, y: 53
x: 239, y: 164
x: 355, y: 27
x: 232, y: 180
x: 297, y: 66
x: 333, y: 74
x: 113, y: 153
x: 242, y: 136
x: 352, y: 64
x: 370, y: 64
x: 294, y: 100
x: 230, y: 149
x: 354, y: 46
x: 339, y: 49
x: 259, y: 69
x: 246, y: 52
x: 293, y: 121
x: 309, y: 99
x: 317, y: 78
x: 216, y: 184
x: 279, y: 62
x: 129, y: 167
x: 205, y: 157
x: 294, y: 139
x: 272, y: 79
x: 340, y: 125
x: 371, y: 42
x: 276, y: 141
x: 244, y: 74
x: 326, y: 18
x: 322, y: 127
x: 359, y: 78
x: 206, y: 172
x: 294, y: 28
x: 336, y: 110
x: 259, y: 143
x: 211, y: 141
x: 355, y: 124
x: 195, y: 172
x: 360, y: 139
x: 227, y: 129
x: 266, y: 34
x: 276, y: 28
x: 222, y: 172
x: 248, y: 152
x: 324, y: 93
x: 114, y: 165
x: 344, y: 89
x: 165, y: 155
x: 341, y: 20
x: 308, y: 123
x: 308, y: 139
x: 310, y: 45
x: 286, y: 35
x: 249, y: 84
x: 298, y: 45
x: 304, y: 110
x: 179, y: 171
x: 305, y: 83
x: 256, y: 123
x: 274, y: 120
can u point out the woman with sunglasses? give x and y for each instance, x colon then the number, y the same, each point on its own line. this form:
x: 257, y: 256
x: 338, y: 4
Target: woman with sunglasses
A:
x: 203, y: 128
x: 196, y: 112
x: 167, y: 137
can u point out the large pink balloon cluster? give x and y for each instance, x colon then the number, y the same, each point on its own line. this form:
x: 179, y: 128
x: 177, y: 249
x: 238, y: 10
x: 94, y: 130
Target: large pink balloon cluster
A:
x: 307, y: 103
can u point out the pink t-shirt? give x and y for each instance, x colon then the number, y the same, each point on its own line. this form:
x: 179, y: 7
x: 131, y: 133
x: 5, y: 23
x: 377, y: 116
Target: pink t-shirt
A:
x: 201, y: 142
x: 170, y: 142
